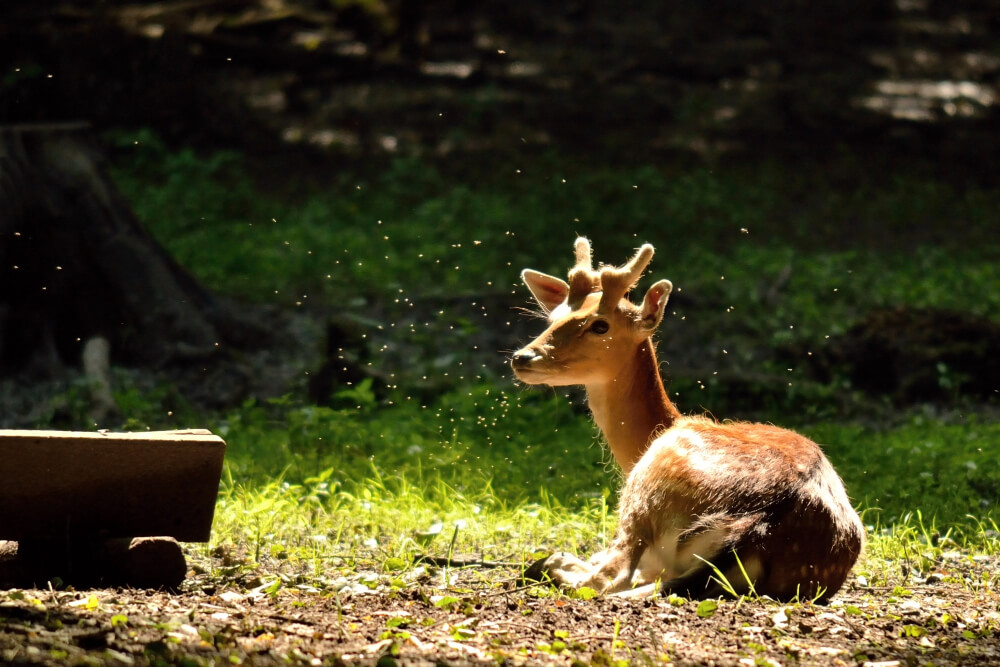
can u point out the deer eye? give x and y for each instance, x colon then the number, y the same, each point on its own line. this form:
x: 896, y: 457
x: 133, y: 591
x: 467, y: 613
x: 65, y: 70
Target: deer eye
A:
x: 599, y: 327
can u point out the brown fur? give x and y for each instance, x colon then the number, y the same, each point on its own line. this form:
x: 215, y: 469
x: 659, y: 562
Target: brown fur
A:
x: 696, y: 490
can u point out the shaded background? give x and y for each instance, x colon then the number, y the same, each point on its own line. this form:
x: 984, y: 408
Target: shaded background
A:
x: 308, y: 92
x: 894, y: 80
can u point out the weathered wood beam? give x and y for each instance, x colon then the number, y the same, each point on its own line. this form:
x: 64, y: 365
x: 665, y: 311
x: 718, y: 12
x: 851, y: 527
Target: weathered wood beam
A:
x: 76, y: 485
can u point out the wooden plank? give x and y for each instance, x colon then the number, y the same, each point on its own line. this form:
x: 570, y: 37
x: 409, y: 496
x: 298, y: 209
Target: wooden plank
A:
x: 78, y: 485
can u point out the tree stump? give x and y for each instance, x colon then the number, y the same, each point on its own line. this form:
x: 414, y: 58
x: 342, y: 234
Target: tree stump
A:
x: 75, y: 264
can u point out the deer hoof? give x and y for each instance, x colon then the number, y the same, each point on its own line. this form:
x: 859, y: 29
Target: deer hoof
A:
x: 538, y: 571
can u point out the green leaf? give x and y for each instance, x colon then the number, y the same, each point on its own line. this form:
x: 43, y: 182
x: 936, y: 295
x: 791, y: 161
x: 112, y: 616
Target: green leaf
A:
x: 395, y: 564
x: 584, y: 593
x: 432, y: 531
x: 446, y: 601
x: 706, y: 608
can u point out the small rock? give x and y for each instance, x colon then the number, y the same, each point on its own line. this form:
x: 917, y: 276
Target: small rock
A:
x: 339, y: 584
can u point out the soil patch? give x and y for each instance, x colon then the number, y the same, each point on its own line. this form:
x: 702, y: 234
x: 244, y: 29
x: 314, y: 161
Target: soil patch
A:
x: 268, y: 616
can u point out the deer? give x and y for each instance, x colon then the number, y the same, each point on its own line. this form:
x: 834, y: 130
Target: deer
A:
x: 757, y: 504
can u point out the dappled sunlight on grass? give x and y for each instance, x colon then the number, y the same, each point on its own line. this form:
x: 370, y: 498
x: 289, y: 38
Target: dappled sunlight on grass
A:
x: 391, y: 504
x: 922, y: 550
x: 376, y: 518
x: 446, y: 440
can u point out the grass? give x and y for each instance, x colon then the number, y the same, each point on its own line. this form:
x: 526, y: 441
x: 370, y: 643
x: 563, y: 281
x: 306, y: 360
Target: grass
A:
x: 378, y: 519
x: 377, y: 524
x: 507, y: 472
x: 891, y: 472
x: 946, y: 471
x: 415, y: 228
x: 449, y: 441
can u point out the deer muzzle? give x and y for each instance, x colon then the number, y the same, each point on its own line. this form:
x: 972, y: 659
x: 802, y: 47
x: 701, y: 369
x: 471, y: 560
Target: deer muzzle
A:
x: 525, y: 363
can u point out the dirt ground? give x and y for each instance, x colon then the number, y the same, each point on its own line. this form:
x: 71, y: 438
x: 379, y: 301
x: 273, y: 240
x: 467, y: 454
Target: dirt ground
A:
x: 950, y: 615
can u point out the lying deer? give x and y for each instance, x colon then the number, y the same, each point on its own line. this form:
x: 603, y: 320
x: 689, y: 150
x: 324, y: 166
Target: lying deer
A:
x: 760, y: 503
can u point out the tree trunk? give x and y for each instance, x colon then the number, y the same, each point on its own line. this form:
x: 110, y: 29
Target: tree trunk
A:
x: 75, y: 264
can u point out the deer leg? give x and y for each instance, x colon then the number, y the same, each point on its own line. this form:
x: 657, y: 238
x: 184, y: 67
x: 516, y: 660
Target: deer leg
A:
x: 608, y: 571
x: 715, y: 548
x: 563, y: 568
x: 615, y: 569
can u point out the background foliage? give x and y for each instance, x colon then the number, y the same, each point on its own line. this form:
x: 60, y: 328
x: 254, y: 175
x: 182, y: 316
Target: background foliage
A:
x: 771, y: 262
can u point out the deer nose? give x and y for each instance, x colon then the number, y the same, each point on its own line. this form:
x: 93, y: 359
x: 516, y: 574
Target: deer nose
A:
x: 523, y: 358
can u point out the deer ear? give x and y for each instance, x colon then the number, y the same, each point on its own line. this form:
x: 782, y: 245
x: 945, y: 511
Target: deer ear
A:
x: 654, y: 305
x: 548, y: 291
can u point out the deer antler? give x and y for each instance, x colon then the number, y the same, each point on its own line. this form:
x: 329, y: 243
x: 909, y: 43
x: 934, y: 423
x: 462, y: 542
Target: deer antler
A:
x: 583, y: 255
x: 583, y: 280
x: 616, y: 282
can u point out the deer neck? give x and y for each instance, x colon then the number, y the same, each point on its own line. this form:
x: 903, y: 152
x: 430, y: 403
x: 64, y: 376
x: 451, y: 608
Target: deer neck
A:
x: 632, y: 407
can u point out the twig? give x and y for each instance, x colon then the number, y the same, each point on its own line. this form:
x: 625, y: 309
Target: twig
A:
x: 516, y: 589
x: 448, y: 561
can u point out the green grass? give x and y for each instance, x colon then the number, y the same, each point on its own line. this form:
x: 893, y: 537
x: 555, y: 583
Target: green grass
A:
x: 516, y: 470
x: 414, y: 228
x: 384, y: 510
x: 946, y: 471
x: 378, y: 518
x: 534, y: 443
x: 474, y: 439
x: 532, y: 477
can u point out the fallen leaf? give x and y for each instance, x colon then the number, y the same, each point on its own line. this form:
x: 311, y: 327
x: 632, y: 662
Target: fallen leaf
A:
x: 706, y: 608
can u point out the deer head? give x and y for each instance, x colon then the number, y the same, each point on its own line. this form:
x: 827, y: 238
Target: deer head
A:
x: 593, y: 328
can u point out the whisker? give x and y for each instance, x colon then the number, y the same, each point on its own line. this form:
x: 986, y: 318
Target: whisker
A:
x: 530, y: 312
